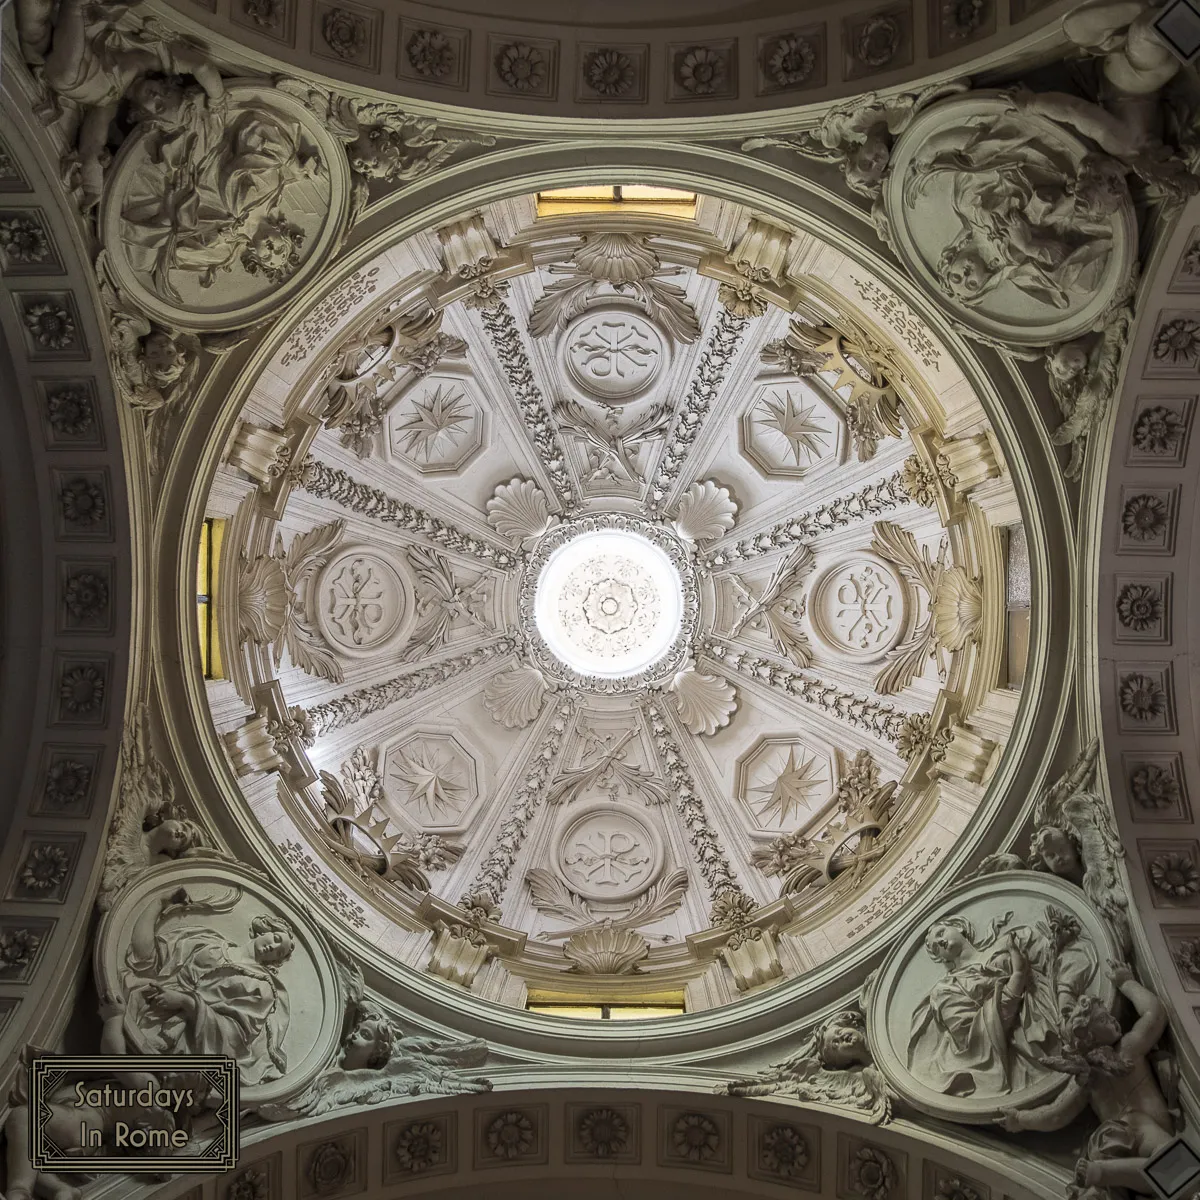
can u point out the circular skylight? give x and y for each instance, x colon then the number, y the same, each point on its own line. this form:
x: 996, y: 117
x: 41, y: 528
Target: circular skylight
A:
x: 609, y: 603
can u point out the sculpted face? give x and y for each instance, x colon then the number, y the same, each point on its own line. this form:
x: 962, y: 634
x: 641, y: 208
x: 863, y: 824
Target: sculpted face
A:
x: 163, y: 359
x: 843, y: 1046
x: 171, y: 837
x: 272, y: 947
x: 1067, y: 362
x: 966, y: 275
x: 1057, y: 852
x: 365, y: 1046
x: 944, y: 943
x: 152, y: 98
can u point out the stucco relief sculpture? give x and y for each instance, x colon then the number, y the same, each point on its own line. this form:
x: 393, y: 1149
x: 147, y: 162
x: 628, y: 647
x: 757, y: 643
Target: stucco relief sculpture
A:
x: 986, y: 983
x: 378, y: 1061
x: 777, y: 610
x: 62, y: 1114
x: 209, y: 960
x: 613, y: 447
x: 1074, y: 839
x: 607, y: 265
x: 1110, y: 1071
x: 148, y: 827
x: 1034, y: 187
x: 858, y: 136
x: 272, y: 606
x: 1136, y: 61
x: 834, y: 1066
x: 363, y: 602
x: 90, y: 57
x: 366, y: 365
x: 253, y: 192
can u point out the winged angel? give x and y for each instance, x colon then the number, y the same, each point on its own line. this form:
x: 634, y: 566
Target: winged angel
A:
x: 1074, y: 839
x: 377, y: 1062
x: 858, y: 136
x: 149, y: 827
x: 383, y: 141
x: 834, y: 1066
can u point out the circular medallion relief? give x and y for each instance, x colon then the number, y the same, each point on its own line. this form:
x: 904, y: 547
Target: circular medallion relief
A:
x: 210, y: 960
x: 858, y: 608
x: 613, y: 354
x: 1004, y: 213
x: 609, y: 603
x: 933, y: 1007
x: 364, y: 602
x: 212, y: 218
x: 607, y: 852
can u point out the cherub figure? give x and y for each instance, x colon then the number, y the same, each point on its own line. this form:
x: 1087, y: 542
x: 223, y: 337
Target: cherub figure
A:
x: 834, y: 1066
x: 1110, y: 1072
x: 148, y: 827
x: 377, y: 1062
x: 1083, y: 380
x: 89, y: 58
x: 859, y: 135
x: 1137, y: 62
x: 1074, y: 839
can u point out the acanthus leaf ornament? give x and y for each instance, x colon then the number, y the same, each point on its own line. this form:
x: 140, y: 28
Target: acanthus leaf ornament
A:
x: 514, y: 698
x: 706, y: 512
x: 776, y: 610
x: 272, y: 598
x: 705, y: 703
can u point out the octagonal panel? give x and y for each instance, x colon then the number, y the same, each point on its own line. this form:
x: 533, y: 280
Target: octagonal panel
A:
x: 789, y: 428
x: 430, y: 780
x: 782, y: 783
x: 437, y: 426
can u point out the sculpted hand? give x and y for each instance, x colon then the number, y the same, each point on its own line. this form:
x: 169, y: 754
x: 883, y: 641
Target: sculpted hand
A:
x: 111, y: 1005
x: 1120, y: 973
x: 1010, y: 1120
x: 170, y: 999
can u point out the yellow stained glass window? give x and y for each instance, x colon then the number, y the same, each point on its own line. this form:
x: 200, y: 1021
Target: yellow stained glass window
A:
x: 620, y: 1011
x: 617, y: 197
x: 208, y: 558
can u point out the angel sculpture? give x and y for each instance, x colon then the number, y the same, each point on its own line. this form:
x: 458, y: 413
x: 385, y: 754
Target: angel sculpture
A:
x: 1137, y: 62
x: 612, y: 451
x: 148, y: 826
x: 1075, y: 840
x: 89, y: 55
x: 859, y: 135
x: 834, y: 1066
x: 154, y: 368
x: 377, y: 1062
x: 382, y: 141
x: 442, y: 601
x: 1111, y: 1072
x: 776, y: 610
x: 1084, y: 375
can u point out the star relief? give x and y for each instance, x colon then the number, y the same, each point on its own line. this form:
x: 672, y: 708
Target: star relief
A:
x: 438, y: 419
x: 795, y: 425
x: 791, y: 789
x: 435, y: 785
